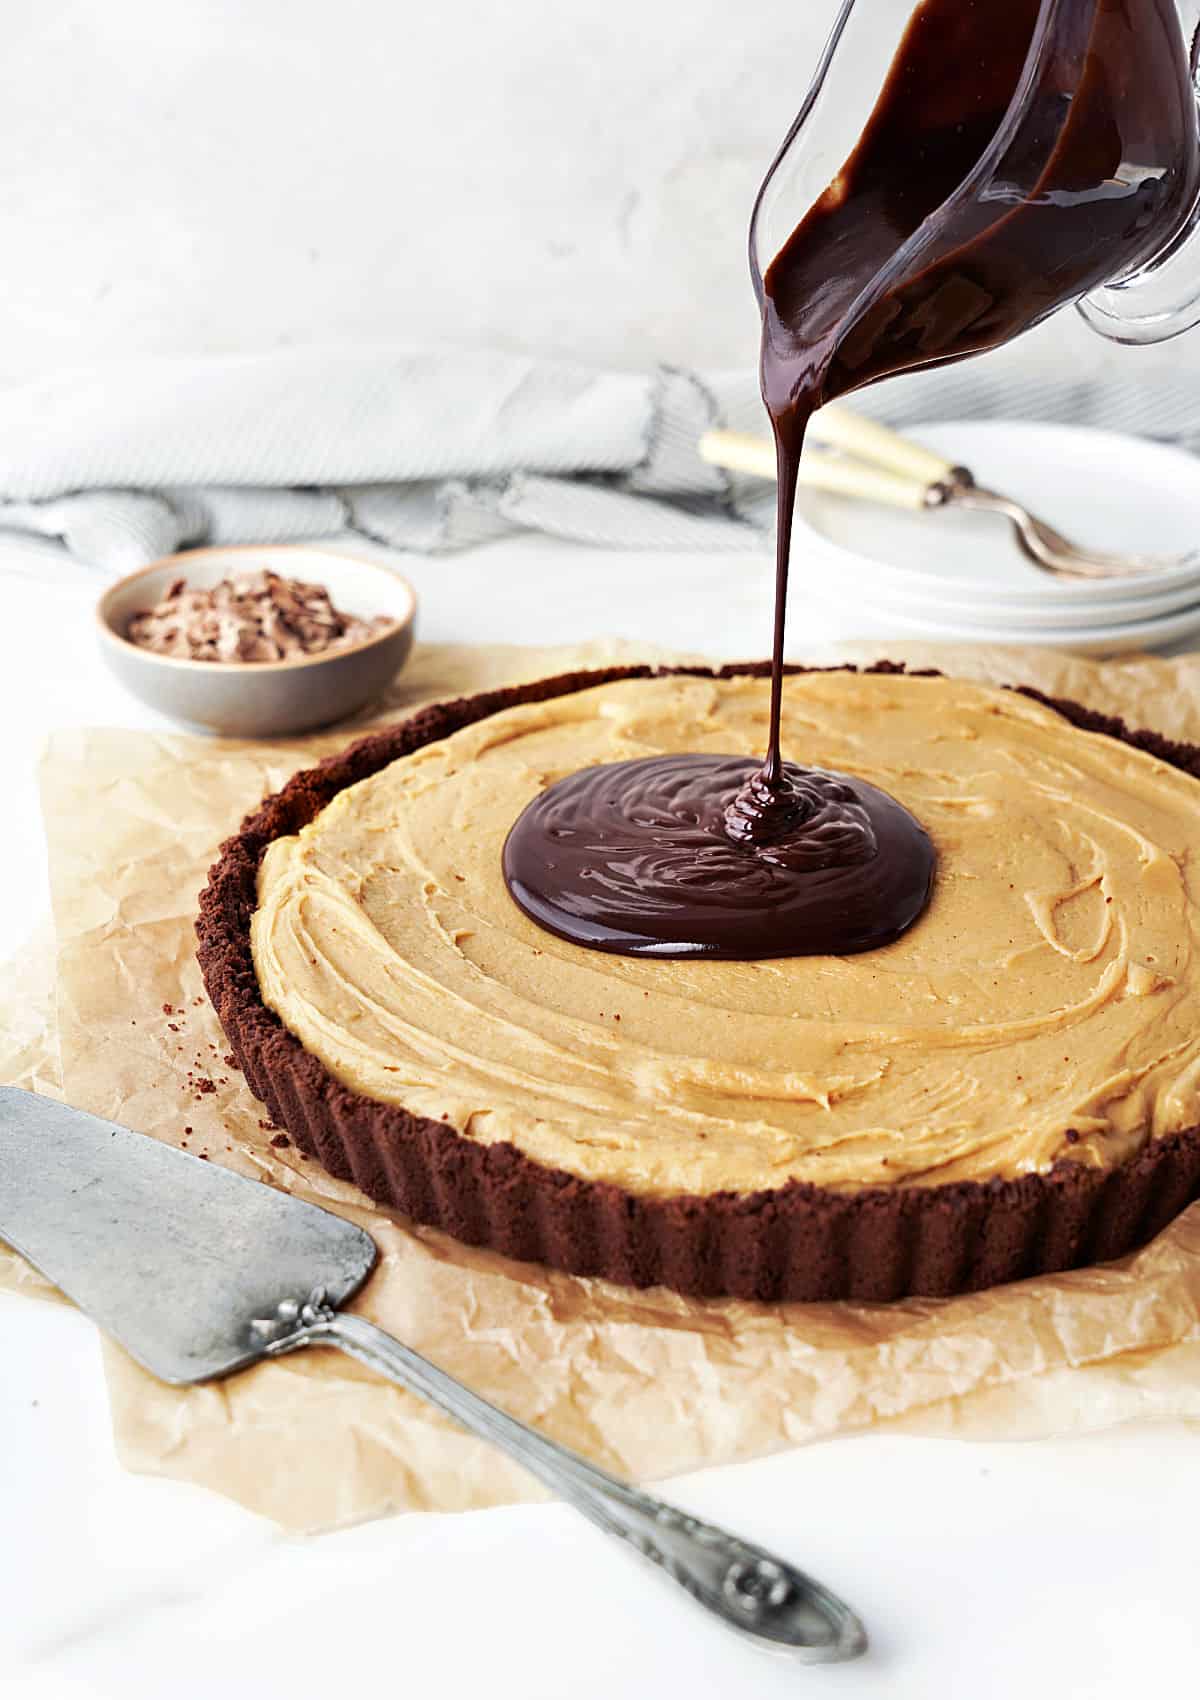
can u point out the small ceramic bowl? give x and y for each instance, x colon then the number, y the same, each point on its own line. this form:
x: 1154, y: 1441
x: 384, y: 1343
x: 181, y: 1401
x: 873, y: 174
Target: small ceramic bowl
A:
x: 268, y: 698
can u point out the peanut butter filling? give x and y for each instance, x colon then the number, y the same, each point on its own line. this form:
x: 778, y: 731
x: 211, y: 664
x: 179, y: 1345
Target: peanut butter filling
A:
x: 1046, y: 1006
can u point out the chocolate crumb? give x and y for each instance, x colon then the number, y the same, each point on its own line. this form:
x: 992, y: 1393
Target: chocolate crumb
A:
x: 281, y: 1142
x: 1072, y: 1136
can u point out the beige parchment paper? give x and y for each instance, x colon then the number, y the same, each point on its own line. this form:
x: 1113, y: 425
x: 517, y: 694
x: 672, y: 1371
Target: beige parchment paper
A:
x: 647, y: 1383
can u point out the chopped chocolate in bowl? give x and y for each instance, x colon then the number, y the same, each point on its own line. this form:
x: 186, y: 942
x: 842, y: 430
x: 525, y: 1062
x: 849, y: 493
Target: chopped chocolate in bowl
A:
x: 255, y: 616
x: 284, y: 637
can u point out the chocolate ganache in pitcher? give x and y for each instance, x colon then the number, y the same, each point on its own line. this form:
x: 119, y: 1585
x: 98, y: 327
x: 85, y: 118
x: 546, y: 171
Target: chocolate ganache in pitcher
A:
x: 1020, y: 153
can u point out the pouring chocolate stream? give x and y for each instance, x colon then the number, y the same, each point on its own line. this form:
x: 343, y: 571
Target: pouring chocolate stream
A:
x: 951, y: 228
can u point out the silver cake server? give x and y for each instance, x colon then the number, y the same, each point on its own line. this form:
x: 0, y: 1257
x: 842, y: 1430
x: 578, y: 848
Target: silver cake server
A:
x: 199, y: 1272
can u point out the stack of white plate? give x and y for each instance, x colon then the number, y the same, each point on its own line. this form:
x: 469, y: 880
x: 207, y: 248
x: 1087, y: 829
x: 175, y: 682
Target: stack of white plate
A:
x: 961, y: 577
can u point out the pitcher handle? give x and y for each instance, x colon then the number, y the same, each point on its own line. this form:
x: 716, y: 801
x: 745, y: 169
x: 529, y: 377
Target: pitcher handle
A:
x: 1161, y: 298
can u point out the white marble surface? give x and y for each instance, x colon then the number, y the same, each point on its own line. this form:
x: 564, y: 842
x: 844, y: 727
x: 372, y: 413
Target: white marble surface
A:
x: 1065, y: 1567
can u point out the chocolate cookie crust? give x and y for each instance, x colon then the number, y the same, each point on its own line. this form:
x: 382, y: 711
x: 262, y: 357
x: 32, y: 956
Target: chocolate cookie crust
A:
x: 797, y: 1242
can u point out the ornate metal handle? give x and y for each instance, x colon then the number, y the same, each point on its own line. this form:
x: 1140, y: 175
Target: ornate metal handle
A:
x: 749, y: 1589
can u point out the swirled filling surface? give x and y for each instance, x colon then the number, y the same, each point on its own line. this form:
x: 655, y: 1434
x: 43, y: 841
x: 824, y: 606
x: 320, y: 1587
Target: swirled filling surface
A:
x: 1046, y: 1005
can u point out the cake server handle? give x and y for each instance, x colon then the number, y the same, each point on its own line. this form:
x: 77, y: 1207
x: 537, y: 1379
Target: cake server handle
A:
x: 749, y: 1589
x: 839, y: 474
x: 863, y: 441
x: 866, y: 439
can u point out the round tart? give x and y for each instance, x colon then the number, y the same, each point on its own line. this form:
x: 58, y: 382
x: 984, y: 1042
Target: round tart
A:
x: 1012, y: 1087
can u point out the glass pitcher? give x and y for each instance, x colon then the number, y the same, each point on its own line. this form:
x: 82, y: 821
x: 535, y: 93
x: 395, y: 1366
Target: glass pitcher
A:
x: 1141, y: 289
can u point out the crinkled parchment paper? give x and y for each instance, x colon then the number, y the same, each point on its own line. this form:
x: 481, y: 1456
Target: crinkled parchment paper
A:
x: 648, y: 1383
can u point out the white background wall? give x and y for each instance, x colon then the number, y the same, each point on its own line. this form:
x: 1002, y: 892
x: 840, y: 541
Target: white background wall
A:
x: 182, y: 175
